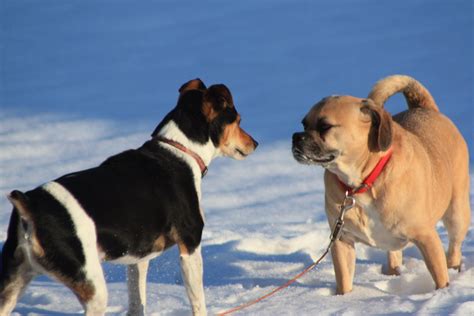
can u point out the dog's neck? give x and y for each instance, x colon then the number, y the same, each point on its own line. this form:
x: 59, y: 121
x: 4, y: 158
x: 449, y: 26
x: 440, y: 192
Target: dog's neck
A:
x: 357, y: 168
x: 207, y: 152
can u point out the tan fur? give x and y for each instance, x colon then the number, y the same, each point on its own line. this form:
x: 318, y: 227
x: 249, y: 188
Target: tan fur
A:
x: 415, y: 93
x: 20, y: 206
x: 235, y: 137
x: 25, y: 214
x: 159, y: 244
x: 194, y: 84
x: 83, y: 290
x: 426, y: 180
x: 209, y: 112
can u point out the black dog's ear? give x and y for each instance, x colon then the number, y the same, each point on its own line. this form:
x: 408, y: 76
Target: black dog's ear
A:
x: 216, y: 99
x: 220, y: 97
x: 380, y: 135
x: 195, y: 84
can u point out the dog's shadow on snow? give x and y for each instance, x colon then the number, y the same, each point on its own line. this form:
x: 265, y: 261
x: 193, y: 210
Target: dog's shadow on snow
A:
x: 219, y: 267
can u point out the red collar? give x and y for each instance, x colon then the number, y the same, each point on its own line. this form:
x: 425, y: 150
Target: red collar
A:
x: 184, y: 149
x: 369, y: 181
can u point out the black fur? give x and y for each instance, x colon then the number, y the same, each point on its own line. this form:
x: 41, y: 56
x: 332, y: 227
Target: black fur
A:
x: 136, y: 196
x: 189, y: 117
x: 10, y: 259
x: 55, y: 231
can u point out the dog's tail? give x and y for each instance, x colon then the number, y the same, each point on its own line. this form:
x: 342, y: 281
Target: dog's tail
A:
x: 21, y: 203
x: 416, y: 95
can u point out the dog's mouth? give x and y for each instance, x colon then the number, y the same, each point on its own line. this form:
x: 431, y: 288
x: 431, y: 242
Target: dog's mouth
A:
x: 241, y: 153
x: 303, y: 158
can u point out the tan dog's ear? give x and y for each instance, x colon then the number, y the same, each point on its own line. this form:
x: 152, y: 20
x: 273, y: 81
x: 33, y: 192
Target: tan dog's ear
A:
x: 195, y: 84
x: 380, y: 135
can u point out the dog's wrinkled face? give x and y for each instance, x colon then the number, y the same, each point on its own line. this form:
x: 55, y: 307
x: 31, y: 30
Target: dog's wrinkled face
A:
x: 341, y: 129
x: 208, y: 114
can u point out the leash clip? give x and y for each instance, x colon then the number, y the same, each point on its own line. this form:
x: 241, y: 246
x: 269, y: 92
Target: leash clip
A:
x: 348, y: 203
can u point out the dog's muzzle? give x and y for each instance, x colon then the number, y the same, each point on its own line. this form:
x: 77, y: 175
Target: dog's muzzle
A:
x: 306, y: 151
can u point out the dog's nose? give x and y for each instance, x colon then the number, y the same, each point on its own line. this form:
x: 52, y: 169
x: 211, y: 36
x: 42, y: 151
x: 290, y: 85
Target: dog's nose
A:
x: 255, y: 143
x: 297, y: 137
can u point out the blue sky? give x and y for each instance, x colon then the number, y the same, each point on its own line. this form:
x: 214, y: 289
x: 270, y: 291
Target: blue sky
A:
x: 124, y: 60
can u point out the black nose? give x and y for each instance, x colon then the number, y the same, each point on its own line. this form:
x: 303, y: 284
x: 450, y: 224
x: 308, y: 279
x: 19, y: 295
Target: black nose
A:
x: 297, y: 137
x: 255, y: 143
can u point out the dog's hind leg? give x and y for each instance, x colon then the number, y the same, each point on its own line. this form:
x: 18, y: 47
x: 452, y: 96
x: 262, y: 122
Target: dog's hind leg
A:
x: 456, y: 220
x: 91, y: 293
x: 192, y: 272
x: 136, y: 280
x: 13, y: 285
x: 76, y: 261
x: 394, y: 262
x: 433, y: 253
x: 15, y: 271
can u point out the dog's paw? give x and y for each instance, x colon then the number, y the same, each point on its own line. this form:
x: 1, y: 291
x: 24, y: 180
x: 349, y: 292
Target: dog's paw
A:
x: 391, y: 271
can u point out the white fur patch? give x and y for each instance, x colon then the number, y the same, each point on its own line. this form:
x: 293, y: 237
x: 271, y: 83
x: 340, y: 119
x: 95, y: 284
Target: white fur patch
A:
x: 127, y: 259
x: 192, y: 272
x: 207, y: 152
x: 86, y: 233
x: 375, y: 233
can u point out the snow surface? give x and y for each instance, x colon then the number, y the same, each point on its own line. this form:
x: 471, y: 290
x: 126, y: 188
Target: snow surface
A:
x: 81, y: 80
x: 264, y: 223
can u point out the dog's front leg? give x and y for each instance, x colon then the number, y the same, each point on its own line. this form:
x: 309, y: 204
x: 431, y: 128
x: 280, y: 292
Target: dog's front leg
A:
x: 136, y: 281
x: 343, y: 258
x: 192, y: 271
x: 394, y: 262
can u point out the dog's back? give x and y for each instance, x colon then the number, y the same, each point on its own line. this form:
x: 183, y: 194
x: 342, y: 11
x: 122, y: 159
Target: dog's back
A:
x: 438, y: 135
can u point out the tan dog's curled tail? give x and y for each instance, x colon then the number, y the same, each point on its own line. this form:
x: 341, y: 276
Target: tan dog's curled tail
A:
x: 416, y: 95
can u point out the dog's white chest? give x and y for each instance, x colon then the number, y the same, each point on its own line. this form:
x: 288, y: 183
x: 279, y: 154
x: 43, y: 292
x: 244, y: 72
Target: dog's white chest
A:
x: 374, y: 231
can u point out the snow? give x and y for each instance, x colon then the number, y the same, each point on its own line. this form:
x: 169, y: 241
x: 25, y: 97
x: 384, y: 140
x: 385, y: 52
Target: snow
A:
x: 265, y: 222
x: 80, y: 81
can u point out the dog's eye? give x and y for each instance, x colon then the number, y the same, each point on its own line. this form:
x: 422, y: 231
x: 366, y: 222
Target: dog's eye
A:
x: 322, y: 128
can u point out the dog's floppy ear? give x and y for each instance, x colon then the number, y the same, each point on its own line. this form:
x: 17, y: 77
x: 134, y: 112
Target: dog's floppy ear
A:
x: 195, y: 84
x: 380, y: 135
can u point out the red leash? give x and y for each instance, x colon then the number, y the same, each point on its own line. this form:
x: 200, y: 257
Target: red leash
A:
x: 347, y: 204
x: 281, y: 287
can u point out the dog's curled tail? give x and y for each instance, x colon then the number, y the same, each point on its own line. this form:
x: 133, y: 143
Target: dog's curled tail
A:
x: 416, y: 95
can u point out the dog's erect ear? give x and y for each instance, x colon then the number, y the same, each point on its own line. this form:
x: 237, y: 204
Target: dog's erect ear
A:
x: 216, y: 99
x: 380, y: 135
x: 195, y: 84
x: 219, y: 95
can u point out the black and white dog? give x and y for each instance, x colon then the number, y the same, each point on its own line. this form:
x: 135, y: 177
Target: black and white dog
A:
x: 127, y: 210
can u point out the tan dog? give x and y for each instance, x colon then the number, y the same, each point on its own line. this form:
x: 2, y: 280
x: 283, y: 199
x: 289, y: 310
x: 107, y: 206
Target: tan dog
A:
x: 425, y: 180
